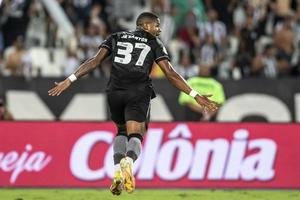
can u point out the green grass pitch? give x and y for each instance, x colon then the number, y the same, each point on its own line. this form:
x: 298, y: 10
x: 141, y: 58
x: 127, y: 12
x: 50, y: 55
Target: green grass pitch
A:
x: 139, y: 194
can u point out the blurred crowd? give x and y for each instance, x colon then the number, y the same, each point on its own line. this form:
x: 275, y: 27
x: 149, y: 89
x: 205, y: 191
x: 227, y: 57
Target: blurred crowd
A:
x: 231, y: 39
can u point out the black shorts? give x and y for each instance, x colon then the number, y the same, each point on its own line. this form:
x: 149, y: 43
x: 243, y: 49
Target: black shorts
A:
x: 128, y: 105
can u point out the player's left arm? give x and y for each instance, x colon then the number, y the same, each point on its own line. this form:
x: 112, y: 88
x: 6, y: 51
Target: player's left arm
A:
x: 176, y: 79
x: 88, y: 66
x: 179, y: 82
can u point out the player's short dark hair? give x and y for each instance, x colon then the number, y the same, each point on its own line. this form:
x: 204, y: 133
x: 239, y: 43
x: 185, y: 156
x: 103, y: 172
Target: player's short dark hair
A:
x: 145, y: 16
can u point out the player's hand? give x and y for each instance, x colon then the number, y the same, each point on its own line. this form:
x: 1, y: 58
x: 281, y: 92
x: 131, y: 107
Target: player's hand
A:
x: 207, y: 105
x: 59, y: 87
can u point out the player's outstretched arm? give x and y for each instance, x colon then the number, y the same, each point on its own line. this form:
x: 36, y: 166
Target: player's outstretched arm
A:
x: 86, y: 67
x: 179, y: 82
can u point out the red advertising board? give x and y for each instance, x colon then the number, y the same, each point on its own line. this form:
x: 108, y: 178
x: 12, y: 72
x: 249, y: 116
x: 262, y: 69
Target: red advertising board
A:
x: 175, y: 155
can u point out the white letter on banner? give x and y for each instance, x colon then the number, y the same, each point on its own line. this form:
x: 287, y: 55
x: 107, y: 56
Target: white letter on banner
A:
x: 260, y: 165
x: 167, y: 155
x: 236, y: 155
x: 80, y: 155
x: 150, y: 153
x: 218, y: 150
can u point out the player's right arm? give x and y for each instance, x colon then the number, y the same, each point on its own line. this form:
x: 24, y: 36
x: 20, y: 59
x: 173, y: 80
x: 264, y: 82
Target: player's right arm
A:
x: 178, y: 81
x: 88, y: 66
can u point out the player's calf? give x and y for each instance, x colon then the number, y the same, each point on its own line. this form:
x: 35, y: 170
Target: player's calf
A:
x: 133, y: 151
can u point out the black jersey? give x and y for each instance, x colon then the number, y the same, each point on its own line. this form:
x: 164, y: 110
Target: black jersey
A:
x: 132, y: 55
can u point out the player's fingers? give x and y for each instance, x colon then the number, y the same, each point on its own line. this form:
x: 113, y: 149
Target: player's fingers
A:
x: 56, y: 83
x: 51, y: 90
x: 54, y: 91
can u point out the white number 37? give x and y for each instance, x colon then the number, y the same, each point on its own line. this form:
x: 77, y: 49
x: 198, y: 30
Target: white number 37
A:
x: 126, y: 51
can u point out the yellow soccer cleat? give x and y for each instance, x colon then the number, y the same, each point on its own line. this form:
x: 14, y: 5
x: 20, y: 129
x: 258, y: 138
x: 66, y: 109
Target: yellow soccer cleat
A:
x: 129, y: 180
x: 117, y: 183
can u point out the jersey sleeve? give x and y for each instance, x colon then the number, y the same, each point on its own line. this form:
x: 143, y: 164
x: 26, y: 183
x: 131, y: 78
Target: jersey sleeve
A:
x: 160, y: 51
x: 107, y: 43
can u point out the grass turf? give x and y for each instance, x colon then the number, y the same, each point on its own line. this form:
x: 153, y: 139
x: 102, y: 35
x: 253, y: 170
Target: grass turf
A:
x: 93, y: 194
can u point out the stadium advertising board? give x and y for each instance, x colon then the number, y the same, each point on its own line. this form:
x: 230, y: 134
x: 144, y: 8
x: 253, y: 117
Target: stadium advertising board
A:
x: 259, y: 100
x: 175, y: 155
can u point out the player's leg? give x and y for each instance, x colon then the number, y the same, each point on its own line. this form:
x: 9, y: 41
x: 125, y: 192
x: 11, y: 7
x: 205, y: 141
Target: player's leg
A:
x: 135, y: 137
x: 120, y: 142
x: 120, y: 145
x: 136, y: 113
x: 119, y: 152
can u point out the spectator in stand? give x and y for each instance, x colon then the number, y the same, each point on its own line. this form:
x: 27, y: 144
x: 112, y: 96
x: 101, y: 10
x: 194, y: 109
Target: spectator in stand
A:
x: 185, y: 67
x: 15, y: 19
x: 82, y: 9
x: 223, y: 9
x: 283, y: 8
x: 214, y: 27
x: 4, y: 112
x: 248, y: 36
x: 284, y: 39
x: 295, y: 71
x: 188, y: 32
x: 209, y: 54
x: 36, y: 30
x: 90, y: 40
x: 269, y: 61
x: 207, y: 85
x: 283, y: 66
x: 98, y: 11
x: 247, y: 39
x: 238, y: 14
x: 69, y: 7
x: 185, y: 7
x: 265, y: 65
x: 71, y: 62
x: 175, y: 46
x: 17, y: 59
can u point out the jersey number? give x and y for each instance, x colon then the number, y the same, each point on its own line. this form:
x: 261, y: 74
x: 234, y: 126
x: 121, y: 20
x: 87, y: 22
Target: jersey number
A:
x: 126, y: 51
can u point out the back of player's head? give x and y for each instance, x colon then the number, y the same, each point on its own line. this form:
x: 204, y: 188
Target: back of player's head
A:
x: 146, y: 17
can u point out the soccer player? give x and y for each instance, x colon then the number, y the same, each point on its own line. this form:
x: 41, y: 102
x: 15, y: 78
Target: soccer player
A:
x: 129, y: 90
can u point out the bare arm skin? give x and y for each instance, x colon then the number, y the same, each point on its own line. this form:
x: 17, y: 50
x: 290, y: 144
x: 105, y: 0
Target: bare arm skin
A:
x: 88, y: 66
x: 175, y: 79
x: 180, y: 83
